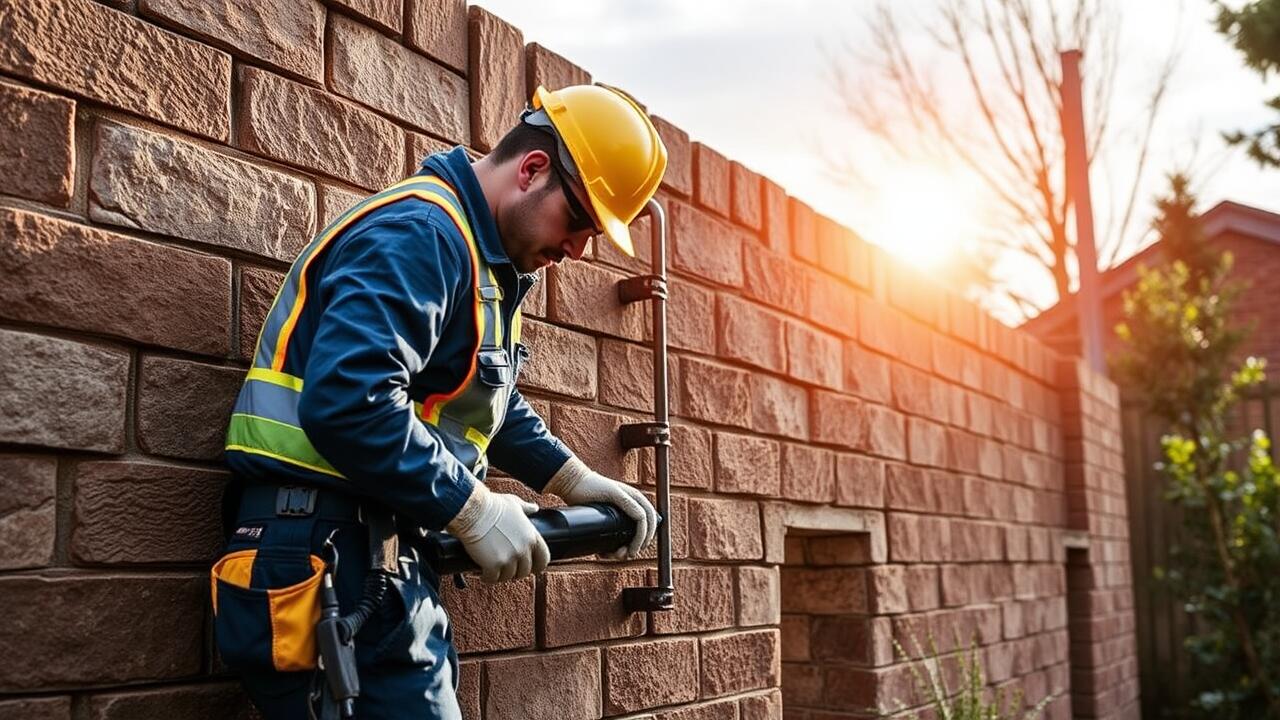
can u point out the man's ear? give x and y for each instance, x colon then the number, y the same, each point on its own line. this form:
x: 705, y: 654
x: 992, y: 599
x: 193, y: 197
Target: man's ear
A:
x: 532, y: 164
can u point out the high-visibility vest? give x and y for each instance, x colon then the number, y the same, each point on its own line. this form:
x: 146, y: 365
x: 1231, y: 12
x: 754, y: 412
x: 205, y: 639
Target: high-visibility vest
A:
x: 265, y: 418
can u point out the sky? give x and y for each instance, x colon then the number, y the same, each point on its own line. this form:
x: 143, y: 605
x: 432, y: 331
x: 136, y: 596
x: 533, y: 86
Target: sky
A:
x: 751, y: 79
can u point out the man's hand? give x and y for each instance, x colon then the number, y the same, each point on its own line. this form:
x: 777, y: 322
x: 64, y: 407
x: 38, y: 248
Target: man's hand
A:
x: 495, y: 530
x: 579, y: 484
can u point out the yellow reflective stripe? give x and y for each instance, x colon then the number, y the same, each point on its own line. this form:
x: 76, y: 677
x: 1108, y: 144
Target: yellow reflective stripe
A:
x: 276, y: 378
x: 478, y: 439
x: 391, y: 195
x: 281, y: 458
x: 516, y: 323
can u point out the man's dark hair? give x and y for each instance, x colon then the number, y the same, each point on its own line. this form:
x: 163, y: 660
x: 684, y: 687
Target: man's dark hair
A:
x: 522, y: 139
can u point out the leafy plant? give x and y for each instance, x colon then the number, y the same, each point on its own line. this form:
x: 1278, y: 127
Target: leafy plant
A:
x: 1181, y: 351
x: 970, y: 698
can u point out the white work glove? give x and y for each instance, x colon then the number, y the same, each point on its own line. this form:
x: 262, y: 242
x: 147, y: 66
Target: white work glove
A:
x: 579, y: 484
x: 494, y: 529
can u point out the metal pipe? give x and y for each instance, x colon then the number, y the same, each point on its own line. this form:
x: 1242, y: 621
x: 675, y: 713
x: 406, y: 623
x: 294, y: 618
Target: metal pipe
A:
x: 661, y: 414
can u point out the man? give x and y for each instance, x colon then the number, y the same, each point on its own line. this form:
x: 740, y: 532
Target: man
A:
x: 384, y: 378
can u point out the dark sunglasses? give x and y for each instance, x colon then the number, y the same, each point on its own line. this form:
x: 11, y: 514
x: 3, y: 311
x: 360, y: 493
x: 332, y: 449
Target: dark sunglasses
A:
x: 579, y: 218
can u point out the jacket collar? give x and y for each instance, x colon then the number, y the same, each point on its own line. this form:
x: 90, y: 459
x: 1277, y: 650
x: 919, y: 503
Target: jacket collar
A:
x: 454, y: 167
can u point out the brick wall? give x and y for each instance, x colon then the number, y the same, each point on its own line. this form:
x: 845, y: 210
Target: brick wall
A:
x: 859, y: 456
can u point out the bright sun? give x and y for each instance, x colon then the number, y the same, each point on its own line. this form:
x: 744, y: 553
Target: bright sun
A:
x: 925, y: 217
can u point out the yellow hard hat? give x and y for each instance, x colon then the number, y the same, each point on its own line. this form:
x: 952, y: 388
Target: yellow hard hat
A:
x: 615, y: 148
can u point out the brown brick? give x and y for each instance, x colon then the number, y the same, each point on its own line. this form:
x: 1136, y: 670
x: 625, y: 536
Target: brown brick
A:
x: 385, y: 14
x: 535, y: 303
x: 546, y: 686
x: 749, y: 333
x: 551, y: 71
x: 38, y: 368
x: 303, y: 126
x: 689, y: 457
x: 721, y: 710
x: 379, y: 72
x: 129, y: 512
x: 761, y: 707
x: 37, y: 153
x: 775, y: 280
x: 41, y: 708
x: 626, y: 376
x: 288, y: 35
x: 843, y: 638
x: 585, y: 295
x: 922, y: 587
x: 824, y: 591
x: 469, y: 686
x: 183, y: 407
x: 140, y: 629
x: 795, y: 637
x: 866, y: 374
x: 136, y: 173
x: 887, y: 435
x: 714, y: 393
x: 804, y: 232
x: 711, y: 180
x: 746, y: 465
x: 679, y: 175
x: 704, y: 601
x: 642, y: 675
x: 439, y: 29
x: 82, y: 278
x: 28, y: 522
x: 593, y: 436
x: 121, y: 61
x: 221, y: 701
x: 725, y: 529
x: 258, y: 289
x: 490, y: 617
x: 926, y: 442
x: 496, y: 70
x: 778, y: 407
x: 604, y: 251
x: 333, y: 200
x: 561, y: 361
x: 746, y: 197
x: 908, y: 488
x: 419, y: 147
x: 859, y: 481
x: 808, y: 474
x: 775, y: 223
x: 758, y: 595
x: 813, y: 356
x: 581, y: 606
x: 739, y: 662
x: 903, y: 533
x: 839, y: 419
x: 691, y: 317
x: 704, y: 246
x: 887, y: 589
x: 833, y: 305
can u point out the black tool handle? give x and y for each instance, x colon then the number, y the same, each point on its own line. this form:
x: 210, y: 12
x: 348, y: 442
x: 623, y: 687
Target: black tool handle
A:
x: 570, y: 532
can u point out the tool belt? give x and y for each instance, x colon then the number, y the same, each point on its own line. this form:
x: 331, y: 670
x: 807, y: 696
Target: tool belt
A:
x: 306, y: 630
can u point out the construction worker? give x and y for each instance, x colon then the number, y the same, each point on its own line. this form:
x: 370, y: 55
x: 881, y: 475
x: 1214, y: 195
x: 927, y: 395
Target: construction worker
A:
x: 384, y: 382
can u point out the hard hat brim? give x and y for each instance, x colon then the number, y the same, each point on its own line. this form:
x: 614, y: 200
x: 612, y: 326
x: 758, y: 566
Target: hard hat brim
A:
x: 614, y: 228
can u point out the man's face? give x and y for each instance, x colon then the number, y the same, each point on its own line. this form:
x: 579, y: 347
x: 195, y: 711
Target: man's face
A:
x: 542, y: 226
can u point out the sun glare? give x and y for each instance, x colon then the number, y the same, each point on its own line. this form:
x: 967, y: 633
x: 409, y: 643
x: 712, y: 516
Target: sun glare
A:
x: 925, y: 217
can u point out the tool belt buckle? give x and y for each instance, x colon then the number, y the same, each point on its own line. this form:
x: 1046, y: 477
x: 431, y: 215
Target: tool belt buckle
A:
x: 295, y: 501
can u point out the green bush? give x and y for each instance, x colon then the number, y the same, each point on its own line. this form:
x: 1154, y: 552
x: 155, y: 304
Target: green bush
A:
x: 970, y: 698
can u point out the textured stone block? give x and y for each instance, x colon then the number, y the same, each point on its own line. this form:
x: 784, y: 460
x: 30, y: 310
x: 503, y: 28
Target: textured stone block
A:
x: 721, y: 710
x: 379, y: 72
x: 626, y: 376
x: 309, y: 128
x: 714, y: 393
x: 650, y: 674
x: 860, y: 481
x: 725, y: 529
x: 704, y: 602
x: 839, y: 420
x: 37, y: 368
x: 128, y: 512
x: 469, y: 687
x: 774, y: 279
x: 88, y: 49
x: 808, y: 474
x: 778, y: 407
x: 560, y: 361
x: 546, y: 686
x: 583, y: 295
x: 140, y: 629
x: 36, y: 708
x: 552, y: 71
x: 385, y: 14
x: 28, y: 520
x: 420, y: 147
x: 761, y: 707
x: 833, y: 305
x: 886, y: 432
x: 490, y: 617
x: 691, y: 317
x: 804, y: 233
x: 746, y: 465
x: 750, y: 333
x: 183, y: 407
x: 288, y: 34
x: 679, y: 175
x: 704, y: 246
x: 221, y: 701
x: 82, y: 278
x: 225, y: 201
x: 438, y: 28
x: 745, y: 196
x: 37, y: 152
x: 758, y: 595
x: 496, y: 70
x: 711, y: 184
x: 824, y: 591
x: 740, y: 662
x: 690, y: 458
x: 592, y: 435
x: 581, y: 606
x: 258, y: 289
x: 813, y: 356
x: 867, y: 374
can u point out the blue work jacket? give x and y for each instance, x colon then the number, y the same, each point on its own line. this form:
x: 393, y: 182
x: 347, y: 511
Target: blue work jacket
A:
x: 389, y: 320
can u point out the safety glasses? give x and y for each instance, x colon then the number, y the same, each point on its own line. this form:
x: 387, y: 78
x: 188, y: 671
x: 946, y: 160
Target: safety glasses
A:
x: 579, y: 218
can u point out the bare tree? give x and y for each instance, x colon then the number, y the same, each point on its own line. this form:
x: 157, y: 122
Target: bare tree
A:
x: 1004, y: 55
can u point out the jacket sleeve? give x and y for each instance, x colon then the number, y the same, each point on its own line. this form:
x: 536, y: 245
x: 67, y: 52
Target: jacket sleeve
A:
x: 524, y: 448
x: 386, y: 291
